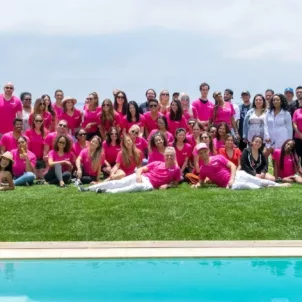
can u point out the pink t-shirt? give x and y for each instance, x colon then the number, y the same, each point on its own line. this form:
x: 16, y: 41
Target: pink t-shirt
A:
x: 51, y: 137
x: 173, y: 125
x: 224, y: 114
x: 91, y: 117
x: 216, y: 170
x: 77, y: 148
x: 8, y: 112
x: 58, y: 110
x: 155, y: 155
x: 125, y: 124
x: 169, y: 136
x: 158, y: 174
x: 115, y: 123
x: 36, y: 142
x: 111, y: 152
x: 204, y: 110
x: 289, y: 164
x: 87, y: 162
x: 141, y: 144
x: 128, y: 169
x: 66, y: 156
x: 47, y: 118
x: 297, y: 118
x: 150, y: 123
x: 181, y: 155
x: 191, y: 140
x: 73, y: 121
x: 218, y: 144
x: 19, y: 166
x: 9, y: 142
x: 187, y: 115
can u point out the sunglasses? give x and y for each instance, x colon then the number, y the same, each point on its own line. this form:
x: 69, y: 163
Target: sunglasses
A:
x: 39, y: 121
x: 10, y: 88
x: 152, y: 106
x: 62, y: 125
x: 42, y: 104
x: 106, y: 105
x: 27, y: 99
x: 165, y: 94
x: 120, y: 97
x: 89, y: 99
x: 82, y: 134
x: 62, y: 143
x: 191, y: 123
x: 135, y: 132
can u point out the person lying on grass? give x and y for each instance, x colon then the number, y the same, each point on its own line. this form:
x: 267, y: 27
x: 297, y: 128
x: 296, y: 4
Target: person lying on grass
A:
x: 6, y: 172
x: 222, y: 172
x: 156, y: 175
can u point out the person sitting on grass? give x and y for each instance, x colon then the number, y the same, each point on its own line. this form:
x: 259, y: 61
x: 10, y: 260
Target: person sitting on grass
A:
x: 156, y: 175
x: 222, y: 172
x: 6, y: 171
x: 286, y: 163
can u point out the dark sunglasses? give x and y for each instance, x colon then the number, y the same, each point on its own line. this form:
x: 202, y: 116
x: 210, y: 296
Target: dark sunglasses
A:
x: 89, y: 99
x: 191, y: 123
x: 106, y: 105
x: 10, y: 88
x: 166, y: 94
x: 62, y: 125
x: 120, y: 97
x: 27, y: 99
x: 62, y: 143
x: 135, y: 132
x: 82, y: 134
x: 152, y: 106
x: 39, y: 121
x: 42, y: 104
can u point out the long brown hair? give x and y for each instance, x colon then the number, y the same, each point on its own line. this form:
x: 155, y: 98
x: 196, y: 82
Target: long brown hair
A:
x: 110, y: 116
x: 96, y: 156
x: 137, y: 156
x: 37, y: 107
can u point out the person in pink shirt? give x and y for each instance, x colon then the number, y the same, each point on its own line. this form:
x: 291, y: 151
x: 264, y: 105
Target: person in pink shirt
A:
x: 10, y: 108
x: 213, y: 131
x: 108, y: 118
x: 224, y: 113
x: 188, y: 111
x: 91, y: 115
x: 128, y: 159
x: 156, y: 175
x: 224, y: 174
x: 286, y: 163
x: 24, y: 164
x: 36, y: 136
x: 60, y: 162
x: 70, y: 114
x: 175, y: 117
x: 151, y: 116
x: 203, y: 106
x: 9, y: 140
x: 195, y: 137
x: 120, y: 104
x: 6, y: 171
x: 183, y: 150
x: 49, y: 108
x: 164, y: 97
x: 89, y: 162
x: 139, y: 141
x: 133, y: 117
x: 221, y: 135
x: 158, y: 145
x: 162, y: 125
x: 190, y: 124
x: 111, y: 148
x: 57, y: 106
x: 81, y: 142
x: 297, y: 125
x: 40, y: 108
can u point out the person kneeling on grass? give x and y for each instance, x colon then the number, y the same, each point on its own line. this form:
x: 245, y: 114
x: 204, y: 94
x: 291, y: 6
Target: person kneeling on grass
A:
x: 6, y: 171
x: 222, y: 172
x: 156, y: 175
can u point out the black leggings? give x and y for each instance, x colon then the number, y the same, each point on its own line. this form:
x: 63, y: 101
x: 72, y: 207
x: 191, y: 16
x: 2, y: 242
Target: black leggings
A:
x: 86, y: 179
x: 298, y: 142
x: 55, y: 175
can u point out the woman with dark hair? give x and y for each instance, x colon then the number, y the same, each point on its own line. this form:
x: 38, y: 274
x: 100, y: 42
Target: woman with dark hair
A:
x: 89, y: 162
x: 221, y: 136
x: 40, y: 108
x: 175, y: 117
x: 127, y: 160
x: 254, y: 119
x: 230, y: 151
x: 6, y: 171
x: 162, y: 126
x: 25, y: 98
x: 158, y: 144
x: 133, y: 117
x: 152, y: 116
x: 253, y: 160
x: 286, y: 163
x: 108, y: 118
x: 60, y: 161
x: 24, y: 163
x: 111, y: 148
x: 91, y: 115
x: 278, y: 123
x: 49, y: 108
x: 81, y: 142
x: 71, y: 115
x: 120, y: 104
x: 213, y: 131
x: 36, y: 136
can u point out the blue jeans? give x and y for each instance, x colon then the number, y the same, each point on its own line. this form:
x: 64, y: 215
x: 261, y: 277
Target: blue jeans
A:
x: 27, y: 177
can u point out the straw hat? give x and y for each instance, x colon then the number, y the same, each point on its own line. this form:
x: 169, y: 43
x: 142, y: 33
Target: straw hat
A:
x: 69, y: 98
x: 7, y: 155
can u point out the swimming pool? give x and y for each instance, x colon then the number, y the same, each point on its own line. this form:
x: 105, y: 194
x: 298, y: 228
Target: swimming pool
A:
x: 221, y: 279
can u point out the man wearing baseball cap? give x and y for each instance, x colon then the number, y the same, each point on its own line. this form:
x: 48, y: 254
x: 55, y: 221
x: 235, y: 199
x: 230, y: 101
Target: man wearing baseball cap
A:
x: 244, y: 108
x: 289, y: 94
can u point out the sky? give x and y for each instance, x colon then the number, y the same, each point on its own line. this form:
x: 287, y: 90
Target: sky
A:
x: 82, y: 46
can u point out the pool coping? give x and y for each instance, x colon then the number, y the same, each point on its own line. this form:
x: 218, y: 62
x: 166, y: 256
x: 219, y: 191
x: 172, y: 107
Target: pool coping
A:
x: 149, y: 249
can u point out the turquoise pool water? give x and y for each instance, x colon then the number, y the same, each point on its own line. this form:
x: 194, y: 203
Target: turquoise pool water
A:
x: 236, y: 280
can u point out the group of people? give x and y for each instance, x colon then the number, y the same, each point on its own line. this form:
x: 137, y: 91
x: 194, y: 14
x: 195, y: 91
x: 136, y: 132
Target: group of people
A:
x: 120, y: 146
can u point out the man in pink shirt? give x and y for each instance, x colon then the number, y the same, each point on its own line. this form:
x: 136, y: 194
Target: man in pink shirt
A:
x: 10, y: 108
x: 203, y: 106
x: 157, y: 175
x: 57, y: 106
x: 9, y: 139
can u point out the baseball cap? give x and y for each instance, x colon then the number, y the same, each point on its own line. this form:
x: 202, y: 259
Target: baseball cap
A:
x: 201, y: 146
x: 245, y: 92
x: 289, y: 89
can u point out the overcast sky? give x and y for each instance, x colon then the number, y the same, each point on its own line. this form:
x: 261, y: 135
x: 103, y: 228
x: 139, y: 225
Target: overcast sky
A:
x: 95, y: 45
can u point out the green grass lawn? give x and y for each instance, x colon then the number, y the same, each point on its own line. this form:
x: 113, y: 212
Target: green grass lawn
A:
x: 48, y: 213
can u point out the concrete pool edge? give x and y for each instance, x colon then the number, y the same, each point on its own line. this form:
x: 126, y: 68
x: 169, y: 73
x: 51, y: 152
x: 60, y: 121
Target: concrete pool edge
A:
x: 149, y: 249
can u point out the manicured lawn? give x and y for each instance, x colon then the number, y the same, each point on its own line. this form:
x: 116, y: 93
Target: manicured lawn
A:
x: 48, y: 213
